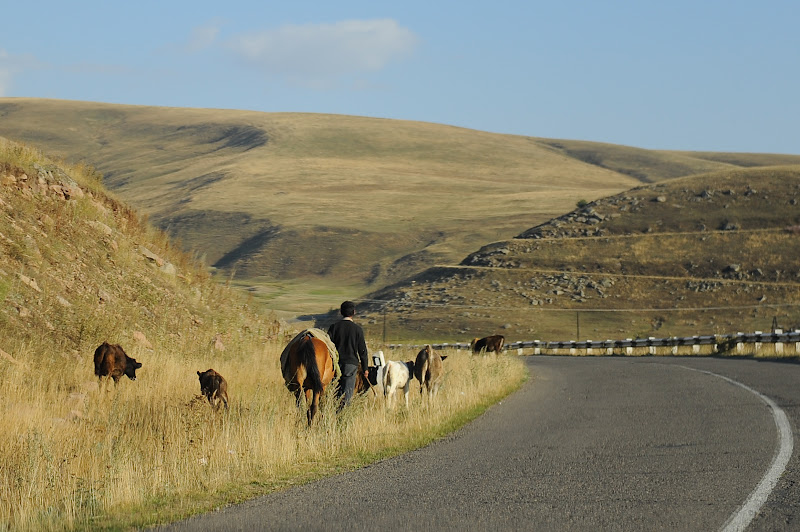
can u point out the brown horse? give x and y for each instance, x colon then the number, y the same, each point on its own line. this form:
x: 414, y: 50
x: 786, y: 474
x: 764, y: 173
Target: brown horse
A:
x: 309, y: 370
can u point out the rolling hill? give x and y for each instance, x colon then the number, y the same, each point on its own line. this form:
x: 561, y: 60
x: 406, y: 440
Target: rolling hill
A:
x: 307, y: 208
x: 713, y: 253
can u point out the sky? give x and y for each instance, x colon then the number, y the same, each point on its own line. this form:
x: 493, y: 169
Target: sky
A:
x: 677, y: 75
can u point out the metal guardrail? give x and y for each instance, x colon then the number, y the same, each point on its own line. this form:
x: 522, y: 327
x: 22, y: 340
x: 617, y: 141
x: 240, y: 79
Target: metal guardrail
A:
x: 756, y: 337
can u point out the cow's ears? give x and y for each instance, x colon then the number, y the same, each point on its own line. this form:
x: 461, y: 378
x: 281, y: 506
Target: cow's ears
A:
x: 444, y: 356
x: 138, y: 365
x: 198, y: 374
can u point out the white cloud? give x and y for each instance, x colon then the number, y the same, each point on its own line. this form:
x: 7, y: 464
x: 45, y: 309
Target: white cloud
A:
x: 202, y: 37
x: 316, y: 52
x: 10, y: 65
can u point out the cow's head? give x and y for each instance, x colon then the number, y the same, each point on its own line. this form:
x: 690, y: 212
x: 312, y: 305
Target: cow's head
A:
x: 131, y: 366
x: 410, y: 366
x: 206, y: 379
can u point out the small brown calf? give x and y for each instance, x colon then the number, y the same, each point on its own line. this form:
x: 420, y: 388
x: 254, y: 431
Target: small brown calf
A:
x: 214, y: 387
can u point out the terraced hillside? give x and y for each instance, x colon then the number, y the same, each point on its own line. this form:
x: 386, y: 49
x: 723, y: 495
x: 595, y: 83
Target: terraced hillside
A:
x: 308, y: 208
x: 638, y: 263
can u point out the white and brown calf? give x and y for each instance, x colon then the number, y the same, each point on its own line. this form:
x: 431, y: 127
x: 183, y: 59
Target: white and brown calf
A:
x: 397, y: 375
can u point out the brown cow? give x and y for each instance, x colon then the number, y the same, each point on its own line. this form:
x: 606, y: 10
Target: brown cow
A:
x: 110, y: 360
x: 428, y: 370
x: 488, y: 344
x: 214, y: 387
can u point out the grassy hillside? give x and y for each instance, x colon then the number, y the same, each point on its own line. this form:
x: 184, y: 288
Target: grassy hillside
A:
x: 79, y: 267
x: 297, y: 203
x: 632, y: 264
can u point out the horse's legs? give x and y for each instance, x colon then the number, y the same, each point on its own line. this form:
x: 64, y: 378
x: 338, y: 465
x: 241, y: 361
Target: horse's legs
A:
x: 312, y: 399
x: 389, y: 393
x: 298, y: 396
x: 433, y: 391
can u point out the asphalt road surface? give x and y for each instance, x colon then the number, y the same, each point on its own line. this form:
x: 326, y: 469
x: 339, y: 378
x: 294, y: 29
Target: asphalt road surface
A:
x: 589, y: 443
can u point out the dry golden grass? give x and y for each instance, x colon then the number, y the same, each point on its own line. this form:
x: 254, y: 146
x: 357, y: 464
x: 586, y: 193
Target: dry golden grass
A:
x: 75, y: 456
x: 74, y: 273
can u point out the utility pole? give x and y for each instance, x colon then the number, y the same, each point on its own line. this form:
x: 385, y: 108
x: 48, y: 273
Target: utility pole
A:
x: 384, y: 325
x: 578, y: 326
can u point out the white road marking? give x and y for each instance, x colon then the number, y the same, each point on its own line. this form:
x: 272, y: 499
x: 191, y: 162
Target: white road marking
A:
x: 741, y: 519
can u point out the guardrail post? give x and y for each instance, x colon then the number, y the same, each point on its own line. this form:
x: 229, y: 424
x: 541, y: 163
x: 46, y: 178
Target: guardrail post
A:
x: 629, y: 347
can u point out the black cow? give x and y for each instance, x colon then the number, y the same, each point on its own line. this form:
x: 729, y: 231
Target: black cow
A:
x: 488, y: 344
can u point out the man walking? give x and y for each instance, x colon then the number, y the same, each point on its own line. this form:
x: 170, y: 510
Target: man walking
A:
x: 348, y: 337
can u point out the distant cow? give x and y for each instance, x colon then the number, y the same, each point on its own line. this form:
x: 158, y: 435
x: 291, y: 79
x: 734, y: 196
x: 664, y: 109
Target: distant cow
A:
x: 397, y: 375
x: 111, y: 361
x: 214, y: 387
x: 488, y: 344
x: 428, y: 370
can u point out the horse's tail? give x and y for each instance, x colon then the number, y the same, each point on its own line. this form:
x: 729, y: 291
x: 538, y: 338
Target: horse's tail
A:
x: 385, y: 378
x: 307, y: 354
x: 423, y: 370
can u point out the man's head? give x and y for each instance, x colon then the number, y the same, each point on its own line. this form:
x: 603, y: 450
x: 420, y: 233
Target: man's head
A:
x: 348, y: 309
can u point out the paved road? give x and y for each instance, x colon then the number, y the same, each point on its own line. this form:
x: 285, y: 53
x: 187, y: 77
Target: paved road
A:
x: 589, y: 443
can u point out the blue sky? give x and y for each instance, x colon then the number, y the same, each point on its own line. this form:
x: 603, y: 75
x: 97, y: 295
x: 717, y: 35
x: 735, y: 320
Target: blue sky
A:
x: 683, y: 74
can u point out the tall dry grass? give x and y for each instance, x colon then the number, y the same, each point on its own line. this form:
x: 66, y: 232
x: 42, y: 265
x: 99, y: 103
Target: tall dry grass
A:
x: 76, y: 456
x: 73, y: 273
